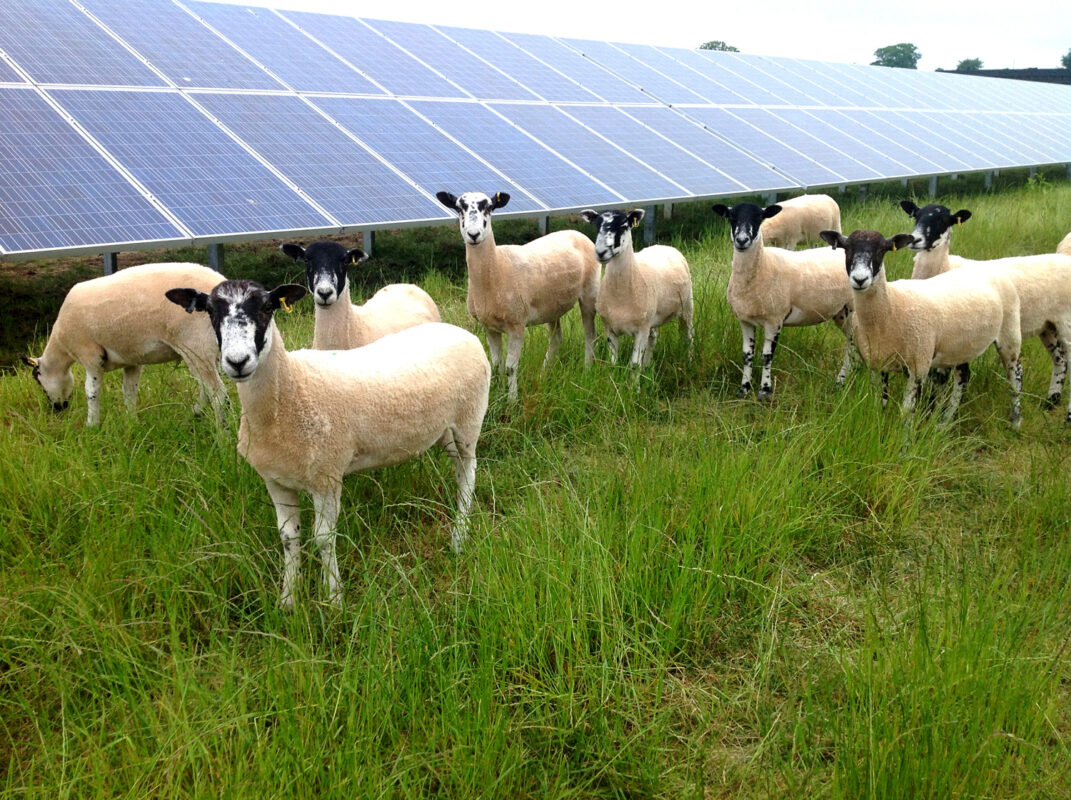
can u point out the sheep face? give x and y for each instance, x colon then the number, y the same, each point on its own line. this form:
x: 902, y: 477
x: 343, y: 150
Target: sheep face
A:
x: 864, y: 253
x: 241, y: 314
x: 57, y: 383
x: 932, y: 224
x: 325, y: 268
x: 613, y: 227
x: 744, y: 221
x: 473, y: 212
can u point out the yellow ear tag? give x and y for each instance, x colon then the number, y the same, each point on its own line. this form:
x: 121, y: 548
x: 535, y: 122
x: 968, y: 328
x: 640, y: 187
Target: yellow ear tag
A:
x: 635, y: 223
x: 286, y: 308
x: 959, y: 222
x: 498, y: 196
x: 894, y: 247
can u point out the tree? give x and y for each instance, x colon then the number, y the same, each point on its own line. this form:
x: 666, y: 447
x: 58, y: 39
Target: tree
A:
x: 904, y: 55
x: 1066, y: 60
x: 718, y: 44
x: 969, y: 65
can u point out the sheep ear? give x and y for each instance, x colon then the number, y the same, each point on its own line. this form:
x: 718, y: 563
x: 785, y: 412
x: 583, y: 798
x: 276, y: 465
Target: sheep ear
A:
x: 771, y: 211
x: 499, y: 200
x: 834, y: 239
x: 29, y: 361
x: 909, y: 208
x: 961, y: 216
x: 635, y: 216
x: 899, y: 240
x: 720, y: 210
x: 589, y: 215
x: 447, y: 200
x: 285, y: 296
x: 295, y: 251
x: 190, y: 299
x: 355, y: 256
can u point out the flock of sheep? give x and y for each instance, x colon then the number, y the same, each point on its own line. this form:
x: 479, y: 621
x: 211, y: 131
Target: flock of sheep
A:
x: 387, y: 380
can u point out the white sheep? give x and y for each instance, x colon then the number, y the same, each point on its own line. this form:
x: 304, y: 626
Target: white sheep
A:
x: 916, y: 325
x: 639, y: 292
x: 801, y: 219
x: 311, y: 416
x: 1064, y: 247
x: 514, y: 286
x: 341, y: 325
x: 123, y: 321
x: 772, y: 287
x: 1043, y: 283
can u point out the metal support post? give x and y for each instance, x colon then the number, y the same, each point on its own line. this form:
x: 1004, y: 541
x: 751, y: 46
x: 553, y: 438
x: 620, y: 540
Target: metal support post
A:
x: 863, y: 189
x: 215, y: 257
x: 544, y: 225
x: 903, y: 183
x: 111, y: 263
x: 649, y: 225
x: 667, y: 211
x: 368, y: 241
x: 933, y: 186
x: 989, y: 179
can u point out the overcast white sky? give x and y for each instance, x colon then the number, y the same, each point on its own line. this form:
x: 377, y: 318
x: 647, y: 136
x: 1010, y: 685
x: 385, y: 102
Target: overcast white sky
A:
x: 1003, y: 33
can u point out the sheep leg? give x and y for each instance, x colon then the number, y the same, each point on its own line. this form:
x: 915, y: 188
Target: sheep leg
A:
x: 326, y: 507
x: 640, y: 348
x: 652, y: 339
x: 912, y: 392
x: 464, y: 455
x: 884, y: 390
x: 769, y: 347
x: 554, y: 341
x: 494, y: 344
x: 963, y: 374
x: 1057, y: 352
x: 288, y: 518
x: 587, y: 314
x: 93, y: 381
x: 212, y: 391
x: 686, y: 326
x: 131, y: 376
x: 843, y: 320
x: 611, y: 342
x: 513, y: 359
x: 747, y: 331
x: 1013, y: 366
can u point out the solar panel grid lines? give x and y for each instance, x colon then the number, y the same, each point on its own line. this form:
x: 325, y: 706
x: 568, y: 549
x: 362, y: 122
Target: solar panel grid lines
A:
x: 719, y: 67
x: 953, y: 141
x: 935, y: 149
x: 825, y: 92
x: 777, y: 81
x: 987, y: 135
x: 882, y: 163
x: 657, y: 84
x: 706, y: 87
x: 1034, y: 149
x: 851, y: 122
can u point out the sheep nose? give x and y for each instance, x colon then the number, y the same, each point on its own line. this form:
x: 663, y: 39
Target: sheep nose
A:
x: 236, y: 364
x: 325, y: 294
x: 473, y: 237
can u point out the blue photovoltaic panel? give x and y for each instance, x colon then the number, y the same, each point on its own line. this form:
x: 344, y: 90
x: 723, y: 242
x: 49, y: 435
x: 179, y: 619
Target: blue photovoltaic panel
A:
x: 1047, y: 128
x: 713, y: 65
x: 583, y: 70
x: 178, y: 45
x: 419, y: 149
x: 57, y: 191
x: 554, y: 182
x: 979, y: 131
x: 762, y: 71
x: 796, y: 165
x: 853, y: 92
x: 882, y: 140
x: 647, y: 78
x: 877, y: 157
x: 949, y: 158
x: 56, y: 43
x: 711, y: 91
x: 344, y: 178
x: 675, y: 163
x: 770, y: 122
x: 974, y: 139
x: 953, y: 142
x: 594, y: 155
x: 471, y: 73
x: 379, y: 59
x: 548, y: 83
x: 741, y: 167
x: 791, y: 71
x: 198, y: 172
x: 1012, y: 140
x: 8, y: 75
x: 287, y: 52
x: 881, y: 94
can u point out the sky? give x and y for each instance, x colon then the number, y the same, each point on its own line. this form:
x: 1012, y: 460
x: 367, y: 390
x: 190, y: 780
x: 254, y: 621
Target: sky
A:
x: 1023, y: 33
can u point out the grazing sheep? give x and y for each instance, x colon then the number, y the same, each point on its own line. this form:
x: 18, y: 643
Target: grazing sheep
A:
x: 640, y: 291
x: 341, y: 325
x: 123, y: 321
x: 1043, y: 283
x: 772, y: 287
x: 801, y: 219
x: 514, y: 286
x: 945, y: 321
x: 1064, y: 247
x: 310, y: 417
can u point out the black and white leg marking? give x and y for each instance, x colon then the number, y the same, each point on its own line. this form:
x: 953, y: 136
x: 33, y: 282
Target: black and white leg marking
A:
x: 769, y: 347
x: 747, y: 331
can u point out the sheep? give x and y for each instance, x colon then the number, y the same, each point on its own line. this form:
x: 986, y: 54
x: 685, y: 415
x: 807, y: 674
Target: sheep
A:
x: 944, y: 321
x: 514, y: 286
x: 772, y: 287
x: 310, y: 417
x: 1064, y: 247
x: 122, y: 321
x: 1043, y: 283
x: 801, y: 219
x: 640, y: 291
x: 341, y: 325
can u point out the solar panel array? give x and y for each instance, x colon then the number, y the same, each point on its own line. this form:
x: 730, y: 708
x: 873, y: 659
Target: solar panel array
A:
x: 138, y: 123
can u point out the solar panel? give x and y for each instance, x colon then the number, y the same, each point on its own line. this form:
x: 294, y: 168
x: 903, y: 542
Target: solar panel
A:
x: 649, y: 79
x: 284, y: 50
x: 548, y: 83
x: 474, y: 75
x: 812, y: 122
x: 207, y: 180
x: 348, y: 181
x: 793, y: 73
x: 962, y: 147
x: 56, y: 191
x: 933, y: 148
x: 370, y: 52
x: 56, y: 43
x: 708, y: 89
x: 8, y: 75
x: 882, y: 141
x: 714, y: 66
x: 549, y: 178
x: 178, y: 45
x: 796, y: 93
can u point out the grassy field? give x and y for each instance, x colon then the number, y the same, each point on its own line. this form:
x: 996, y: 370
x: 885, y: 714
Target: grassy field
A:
x: 668, y: 593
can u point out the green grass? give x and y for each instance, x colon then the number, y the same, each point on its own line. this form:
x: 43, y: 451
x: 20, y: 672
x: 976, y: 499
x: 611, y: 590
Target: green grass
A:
x: 668, y: 593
